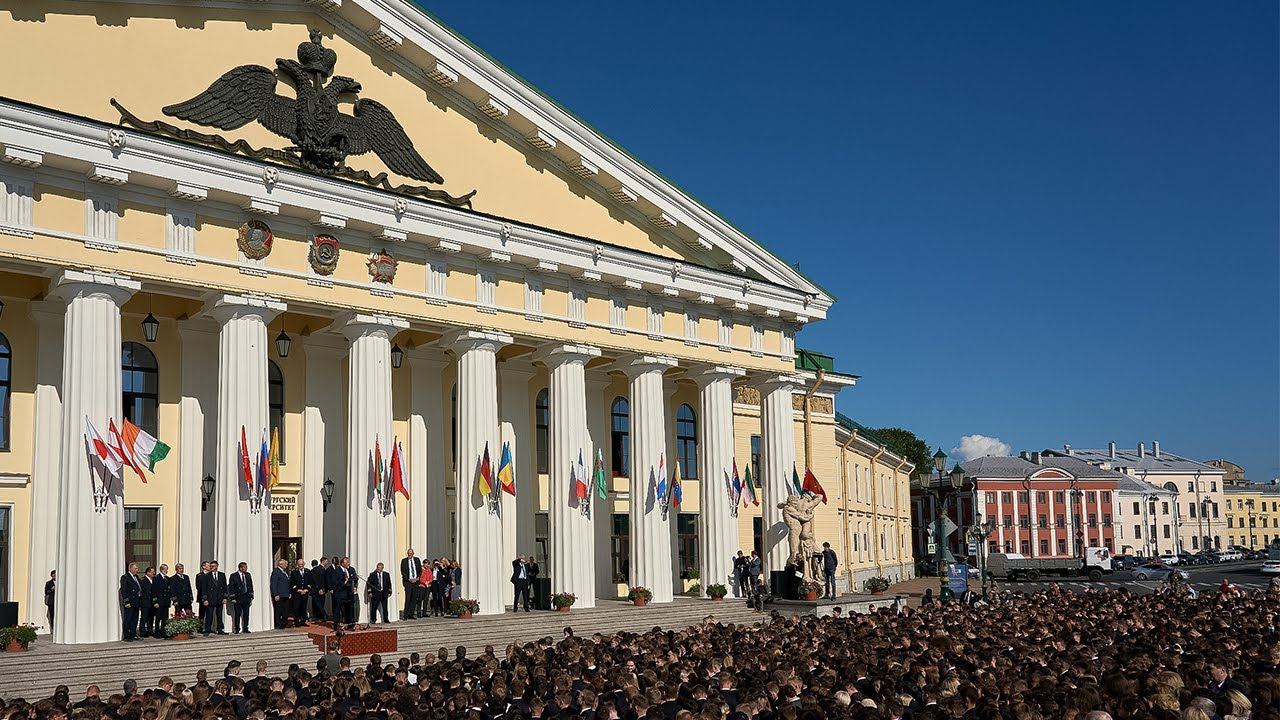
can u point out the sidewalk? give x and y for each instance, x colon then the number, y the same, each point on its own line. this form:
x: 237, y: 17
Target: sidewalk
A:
x: 914, y: 589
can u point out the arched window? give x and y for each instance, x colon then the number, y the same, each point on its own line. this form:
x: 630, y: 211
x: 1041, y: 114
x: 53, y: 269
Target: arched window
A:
x: 542, y: 424
x: 687, y: 441
x: 275, y: 403
x: 140, y: 386
x: 620, y: 436
x: 6, y: 362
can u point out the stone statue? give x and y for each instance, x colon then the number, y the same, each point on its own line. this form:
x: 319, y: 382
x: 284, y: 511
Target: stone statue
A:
x: 797, y: 513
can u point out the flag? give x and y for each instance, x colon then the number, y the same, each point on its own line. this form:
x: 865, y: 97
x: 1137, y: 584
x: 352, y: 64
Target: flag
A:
x: 602, y: 489
x: 246, y: 470
x: 735, y: 487
x: 662, y: 478
x: 794, y: 487
x: 378, y: 470
x: 273, y: 459
x: 397, y: 472
x: 580, y: 488
x: 749, y: 489
x: 506, y: 473
x: 486, y: 473
x: 677, y: 494
x: 264, y: 462
x: 812, y: 485
x: 103, y: 450
x: 140, y: 449
x: 117, y: 444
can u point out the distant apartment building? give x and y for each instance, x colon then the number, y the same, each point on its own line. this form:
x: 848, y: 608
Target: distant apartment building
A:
x: 1146, y: 518
x: 1253, y: 514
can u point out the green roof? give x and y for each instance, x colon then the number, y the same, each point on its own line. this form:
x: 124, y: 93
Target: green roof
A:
x: 810, y: 360
x: 849, y: 423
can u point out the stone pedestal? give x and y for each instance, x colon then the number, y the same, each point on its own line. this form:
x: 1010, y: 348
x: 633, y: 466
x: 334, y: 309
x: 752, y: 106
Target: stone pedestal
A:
x: 717, y: 519
x: 90, y: 557
x: 651, y: 563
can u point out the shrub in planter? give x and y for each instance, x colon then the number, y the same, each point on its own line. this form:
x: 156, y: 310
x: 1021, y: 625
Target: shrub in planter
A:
x: 18, y: 637
x: 639, y: 595
x: 875, y: 585
x: 182, y: 626
x: 809, y: 589
x: 716, y: 591
x: 463, y: 607
x: 562, y: 601
x: 695, y: 589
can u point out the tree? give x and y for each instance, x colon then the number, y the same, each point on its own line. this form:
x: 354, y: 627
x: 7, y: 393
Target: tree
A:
x: 905, y: 443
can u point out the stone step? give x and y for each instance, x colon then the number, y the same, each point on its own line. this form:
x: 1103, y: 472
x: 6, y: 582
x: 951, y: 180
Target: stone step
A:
x: 36, y: 673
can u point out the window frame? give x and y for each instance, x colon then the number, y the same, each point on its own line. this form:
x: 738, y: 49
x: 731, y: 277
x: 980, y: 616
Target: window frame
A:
x: 542, y: 431
x: 620, y: 436
x: 275, y: 410
x: 133, y: 401
x: 686, y: 422
x: 6, y: 392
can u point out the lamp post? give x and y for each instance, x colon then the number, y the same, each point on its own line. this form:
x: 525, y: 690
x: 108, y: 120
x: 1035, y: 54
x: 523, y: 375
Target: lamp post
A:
x: 940, y: 487
x: 326, y: 493
x: 1031, y: 518
x: 206, y: 492
x: 1253, y: 539
x: 979, y: 534
x: 1078, y: 511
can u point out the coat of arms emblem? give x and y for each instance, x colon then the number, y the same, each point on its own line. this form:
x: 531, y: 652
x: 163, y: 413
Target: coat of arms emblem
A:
x: 255, y: 240
x: 324, y: 254
x: 382, y: 267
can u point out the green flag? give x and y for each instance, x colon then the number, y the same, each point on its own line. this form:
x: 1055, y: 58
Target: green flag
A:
x: 601, y: 490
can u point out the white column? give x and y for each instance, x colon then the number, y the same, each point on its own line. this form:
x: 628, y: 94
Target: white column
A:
x: 479, y: 531
x: 1035, y: 526
x: 371, y: 510
x: 324, y: 456
x: 650, y: 536
x: 572, y: 540
x: 517, y: 429
x: 47, y: 453
x: 90, y: 543
x: 717, y: 520
x: 777, y: 457
x: 242, y: 531
x: 428, y: 458
x: 196, y: 416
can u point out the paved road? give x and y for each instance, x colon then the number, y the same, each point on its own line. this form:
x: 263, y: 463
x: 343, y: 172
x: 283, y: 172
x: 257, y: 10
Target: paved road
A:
x: 1203, y: 578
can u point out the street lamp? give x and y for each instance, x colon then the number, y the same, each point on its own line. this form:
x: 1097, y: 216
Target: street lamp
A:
x: 979, y: 535
x: 206, y: 492
x: 326, y: 493
x: 940, y: 487
x: 397, y: 357
x: 283, y: 343
x: 1031, y: 518
x: 150, y: 327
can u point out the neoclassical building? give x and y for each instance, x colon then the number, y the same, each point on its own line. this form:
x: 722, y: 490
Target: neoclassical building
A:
x: 338, y: 221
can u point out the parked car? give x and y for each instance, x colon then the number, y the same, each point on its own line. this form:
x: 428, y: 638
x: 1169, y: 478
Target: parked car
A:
x: 1123, y: 562
x: 1270, y: 567
x: 1186, y: 558
x: 1231, y: 556
x: 1168, y: 558
x: 1209, y: 557
x: 1154, y: 571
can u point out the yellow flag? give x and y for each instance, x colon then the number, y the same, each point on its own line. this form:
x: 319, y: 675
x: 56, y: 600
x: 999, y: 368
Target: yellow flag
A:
x: 274, y: 458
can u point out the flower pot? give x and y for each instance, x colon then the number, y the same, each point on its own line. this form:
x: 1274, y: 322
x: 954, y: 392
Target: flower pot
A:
x: 182, y: 636
x: 465, y: 616
x: 877, y: 592
x: 717, y: 598
x: 15, y: 646
x: 640, y: 602
x: 564, y: 608
x: 811, y: 595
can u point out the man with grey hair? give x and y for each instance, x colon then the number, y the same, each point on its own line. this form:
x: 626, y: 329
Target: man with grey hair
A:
x: 1098, y: 715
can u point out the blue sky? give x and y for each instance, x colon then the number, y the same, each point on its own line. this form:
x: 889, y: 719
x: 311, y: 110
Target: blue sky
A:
x: 1044, y: 222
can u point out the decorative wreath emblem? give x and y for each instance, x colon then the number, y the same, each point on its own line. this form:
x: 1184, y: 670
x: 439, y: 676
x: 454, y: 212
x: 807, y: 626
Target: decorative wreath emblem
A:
x: 255, y: 240
x: 382, y: 267
x: 324, y: 254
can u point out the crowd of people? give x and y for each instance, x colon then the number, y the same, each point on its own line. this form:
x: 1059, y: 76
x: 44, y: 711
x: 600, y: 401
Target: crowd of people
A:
x: 1053, y: 655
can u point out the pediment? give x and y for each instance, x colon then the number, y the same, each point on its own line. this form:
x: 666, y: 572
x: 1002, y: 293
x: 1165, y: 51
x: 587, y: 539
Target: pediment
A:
x: 465, y: 117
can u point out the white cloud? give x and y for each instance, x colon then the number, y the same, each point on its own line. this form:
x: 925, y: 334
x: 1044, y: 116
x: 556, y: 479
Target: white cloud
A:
x: 976, y: 446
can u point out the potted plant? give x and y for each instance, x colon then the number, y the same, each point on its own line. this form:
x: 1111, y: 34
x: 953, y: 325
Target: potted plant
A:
x: 639, y: 595
x: 716, y: 591
x: 18, y: 637
x: 695, y: 589
x: 464, y: 608
x: 809, y: 589
x: 875, y: 585
x: 562, y: 601
x: 182, y: 626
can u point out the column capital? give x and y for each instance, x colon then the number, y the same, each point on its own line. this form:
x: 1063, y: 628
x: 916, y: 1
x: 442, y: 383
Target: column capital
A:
x: 552, y: 355
x: 227, y: 306
x: 357, y: 324
x: 772, y: 383
x: 464, y: 339
x: 70, y: 284
x: 633, y: 365
x: 708, y: 375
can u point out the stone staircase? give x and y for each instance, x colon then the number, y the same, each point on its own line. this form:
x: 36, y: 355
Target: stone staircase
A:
x: 35, y: 673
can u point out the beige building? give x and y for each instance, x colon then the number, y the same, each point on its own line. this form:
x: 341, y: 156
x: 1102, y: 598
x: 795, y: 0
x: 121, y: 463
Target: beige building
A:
x: 167, y: 258
x: 1253, y: 514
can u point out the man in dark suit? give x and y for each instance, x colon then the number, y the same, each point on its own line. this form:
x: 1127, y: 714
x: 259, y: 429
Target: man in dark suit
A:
x: 180, y: 589
x: 299, y: 592
x: 378, y: 588
x: 50, y: 591
x: 280, y: 593
x: 521, y: 579
x: 147, y: 604
x: 350, y: 593
x: 215, y: 596
x: 829, y: 563
x: 318, y: 583
x: 335, y: 578
x: 130, y: 597
x: 740, y: 578
x: 410, y: 570
x: 160, y: 595
x: 240, y: 597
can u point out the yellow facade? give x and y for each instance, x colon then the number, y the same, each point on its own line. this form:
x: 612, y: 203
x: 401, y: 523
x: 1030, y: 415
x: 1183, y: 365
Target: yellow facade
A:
x: 1253, y: 515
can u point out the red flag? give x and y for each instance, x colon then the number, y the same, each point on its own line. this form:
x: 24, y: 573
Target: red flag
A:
x: 246, y: 470
x: 486, y: 473
x: 812, y: 485
x: 397, y: 473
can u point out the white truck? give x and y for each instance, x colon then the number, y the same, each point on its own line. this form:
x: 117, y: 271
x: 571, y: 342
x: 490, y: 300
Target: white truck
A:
x: 1013, y: 566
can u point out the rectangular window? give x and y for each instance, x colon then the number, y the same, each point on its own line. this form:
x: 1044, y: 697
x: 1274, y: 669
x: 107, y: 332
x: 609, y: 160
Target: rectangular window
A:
x: 757, y: 535
x: 1006, y: 497
x: 1195, y: 543
x: 1022, y: 498
x: 1025, y: 547
x: 1043, y: 520
x: 991, y: 498
x: 1044, y: 546
x: 1008, y: 521
x: 6, y: 368
x: 541, y: 538
x: 1106, y: 519
x: 141, y: 534
x: 1042, y: 497
x: 620, y: 548
x: 687, y: 542
x: 617, y: 315
x: 1213, y: 487
x: 1093, y: 520
x: 755, y: 459
x: 992, y: 546
x: 1024, y: 521
x: 1166, y: 532
x: 1137, y: 508
x: 1058, y: 497
x: 1230, y: 521
x: 6, y: 552
x: 1191, y: 508
x: 1191, y: 487
x: 1164, y: 508
x: 1137, y: 532
x: 1062, y: 547
x: 1109, y: 544
x: 1060, y: 520
x: 1106, y: 496
x: 1215, y: 510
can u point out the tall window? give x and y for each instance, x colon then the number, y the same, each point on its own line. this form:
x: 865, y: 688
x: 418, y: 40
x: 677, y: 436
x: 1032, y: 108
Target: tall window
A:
x: 6, y: 361
x: 620, y: 548
x: 755, y: 459
x: 687, y: 441
x: 453, y: 426
x: 620, y: 436
x: 687, y: 540
x: 757, y: 535
x: 141, y: 527
x: 140, y: 386
x: 542, y: 423
x: 275, y: 402
x: 541, y: 535
x: 5, y: 552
